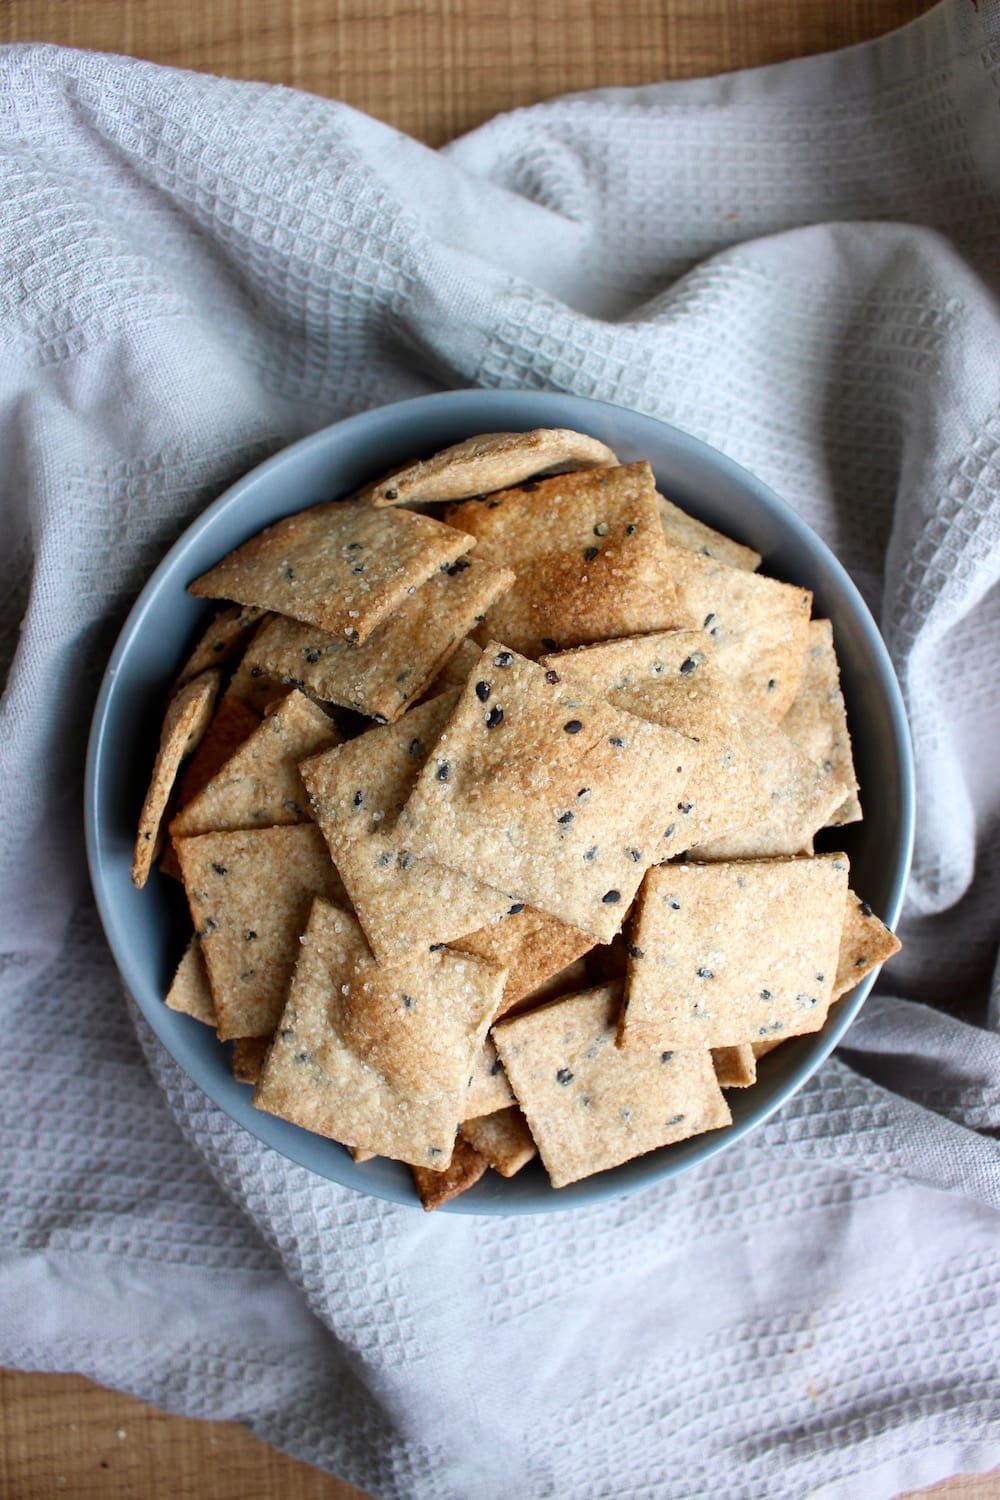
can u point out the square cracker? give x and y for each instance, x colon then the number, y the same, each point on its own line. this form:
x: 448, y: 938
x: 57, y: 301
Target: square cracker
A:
x: 735, y: 1067
x: 356, y: 791
x: 672, y: 678
x: 233, y: 724
x: 400, y: 657
x: 589, y: 554
x: 260, y: 785
x: 220, y: 642
x: 557, y: 799
x: 731, y: 953
x: 188, y: 715
x: 488, y: 1089
x: 759, y: 626
x: 683, y: 530
x: 503, y: 1138
x: 817, y: 720
x: 530, y: 945
x: 865, y: 943
x: 250, y: 893
x: 591, y: 1105
x: 190, y: 992
x: 342, y: 565
x: 249, y: 1053
x: 378, y: 1056
x: 462, y: 1173
x: 489, y: 461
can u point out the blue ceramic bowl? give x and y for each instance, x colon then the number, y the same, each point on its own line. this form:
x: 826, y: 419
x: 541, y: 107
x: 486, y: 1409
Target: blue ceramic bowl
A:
x: 147, y: 930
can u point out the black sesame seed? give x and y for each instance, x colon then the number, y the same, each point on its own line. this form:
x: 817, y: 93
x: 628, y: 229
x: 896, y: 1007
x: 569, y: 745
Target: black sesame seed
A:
x: 353, y: 546
x: 866, y: 910
x: 635, y: 854
x: 688, y: 665
x: 518, y: 906
x: 287, y: 1031
x: 503, y: 659
x: 435, y: 947
x: 220, y: 869
x: 572, y: 726
x: 771, y: 684
x: 292, y: 806
x: 494, y: 717
x: 564, y: 1076
x: 590, y: 554
x: 408, y: 1001
x: 631, y: 529
x: 634, y: 950
x: 707, y: 621
x: 256, y: 671
x: 405, y: 861
x: 566, y: 817
x: 590, y: 854
x: 675, y: 1120
x: 358, y: 568
x: 496, y: 1068
x: 610, y: 897
x: 415, y: 750
x: 618, y: 743
x: 290, y: 574
x: 583, y: 792
x: 249, y: 935
x: 311, y: 653
x: 351, y: 633
x: 492, y: 504
x: 673, y: 903
x: 668, y: 832
x: 482, y: 691
x: 389, y: 495
x: 442, y: 771
x: 552, y: 677
x: 459, y: 566
x: 385, y: 860
x: 705, y: 974
x: 684, y: 807
x: 211, y: 924
x: 665, y: 1056
x: 765, y: 994
x: 819, y: 978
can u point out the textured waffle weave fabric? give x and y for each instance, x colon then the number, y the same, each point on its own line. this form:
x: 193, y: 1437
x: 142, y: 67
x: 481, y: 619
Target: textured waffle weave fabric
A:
x: 799, y: 265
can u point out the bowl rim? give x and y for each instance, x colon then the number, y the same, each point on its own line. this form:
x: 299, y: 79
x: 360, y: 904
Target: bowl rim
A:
x: 281, y: 1135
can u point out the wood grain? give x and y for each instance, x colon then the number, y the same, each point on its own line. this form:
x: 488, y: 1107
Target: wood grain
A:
x: 437, y: 68
x: 434, y: 69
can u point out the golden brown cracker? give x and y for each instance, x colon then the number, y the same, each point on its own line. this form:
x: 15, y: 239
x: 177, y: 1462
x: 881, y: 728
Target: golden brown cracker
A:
x: 684, y: 530
x: 462, y: 1172
x: 865, y: 943
x: 187, y: 718
x: 729, y: 953
x: 591, y: 1105
x: 341, y: 565
x: 487, y: 462
x: 817, y: 720
x: 220, y: 642
x: 735, y: 1067
x: 190, y: 992
x: 502, y: 1139
x: 249, y: 1053
x: 530, y: 945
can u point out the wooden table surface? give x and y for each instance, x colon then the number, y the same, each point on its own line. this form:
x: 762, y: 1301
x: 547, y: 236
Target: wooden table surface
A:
x: 434, y: 69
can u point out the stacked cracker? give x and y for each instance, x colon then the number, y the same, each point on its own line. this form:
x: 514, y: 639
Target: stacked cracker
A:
x: 562, y: 892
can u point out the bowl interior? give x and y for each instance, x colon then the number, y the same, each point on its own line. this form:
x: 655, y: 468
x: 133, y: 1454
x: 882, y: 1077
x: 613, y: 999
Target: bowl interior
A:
x: 148, y: 930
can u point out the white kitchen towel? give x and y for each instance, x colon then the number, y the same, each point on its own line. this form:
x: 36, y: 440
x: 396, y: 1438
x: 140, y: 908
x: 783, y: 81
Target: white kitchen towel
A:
x: 800, y: 265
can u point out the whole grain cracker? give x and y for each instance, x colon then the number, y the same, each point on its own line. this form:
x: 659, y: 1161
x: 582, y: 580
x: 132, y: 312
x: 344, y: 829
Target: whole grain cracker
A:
x: 378, y: 1056
x: 729, y: 953
x: 589, y: 554
x: 341, y: 565
x: 672, y: 678
x: 866, y: 942
x: 557, y: 799
x: 232, y: 725
x: 462, y: 1172
x: 260, y: 785
x: 487, y: 462
x: 400, y: 658
x: 356, y: 792
x: 530, y: 945
x: 759, y: 626
x: 683, y: 530
x: 817, y: 720
x: 190, y: 992
x: 735, y: 1067
x: 188, y: 715
x: 222, y: 640
x: 502, y: 1139
x: 250, y: 893
x: 591, y: 1105
x: 455, y: 672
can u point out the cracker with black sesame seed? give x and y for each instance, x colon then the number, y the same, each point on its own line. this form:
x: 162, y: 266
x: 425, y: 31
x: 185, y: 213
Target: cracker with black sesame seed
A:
x: 259, y: 786
x: 221, y: 641
x: 487, y: 462
x: 735, y: 1067
x: 817, y: 720
x: 591, y: 1105
x: 554, y: 797
x: 683, y: 530
x: 797, y: 798
x: 532, y: 946
x: 307, y: 565
x: 400, y: 658
x: 254, y: 689
x: 190, y: 992
x: 589, y: 553
x: 865, y: 943
x: 488, y: 1089
x: 187, y: 718
x: 249, y: 1053
x: 356, y: 791
x: 455, y: 671
x: 233, y: 724
x: 374, y: 1055
x: 502, y: 1138
x: 250, y: 892
x: 723, y: 954
x: 462, y: 1173
x: 758, y: 625
x: 672, y: 678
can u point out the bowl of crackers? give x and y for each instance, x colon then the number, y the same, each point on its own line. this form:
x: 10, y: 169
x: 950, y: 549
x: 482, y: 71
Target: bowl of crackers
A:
x: 499, y: 802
